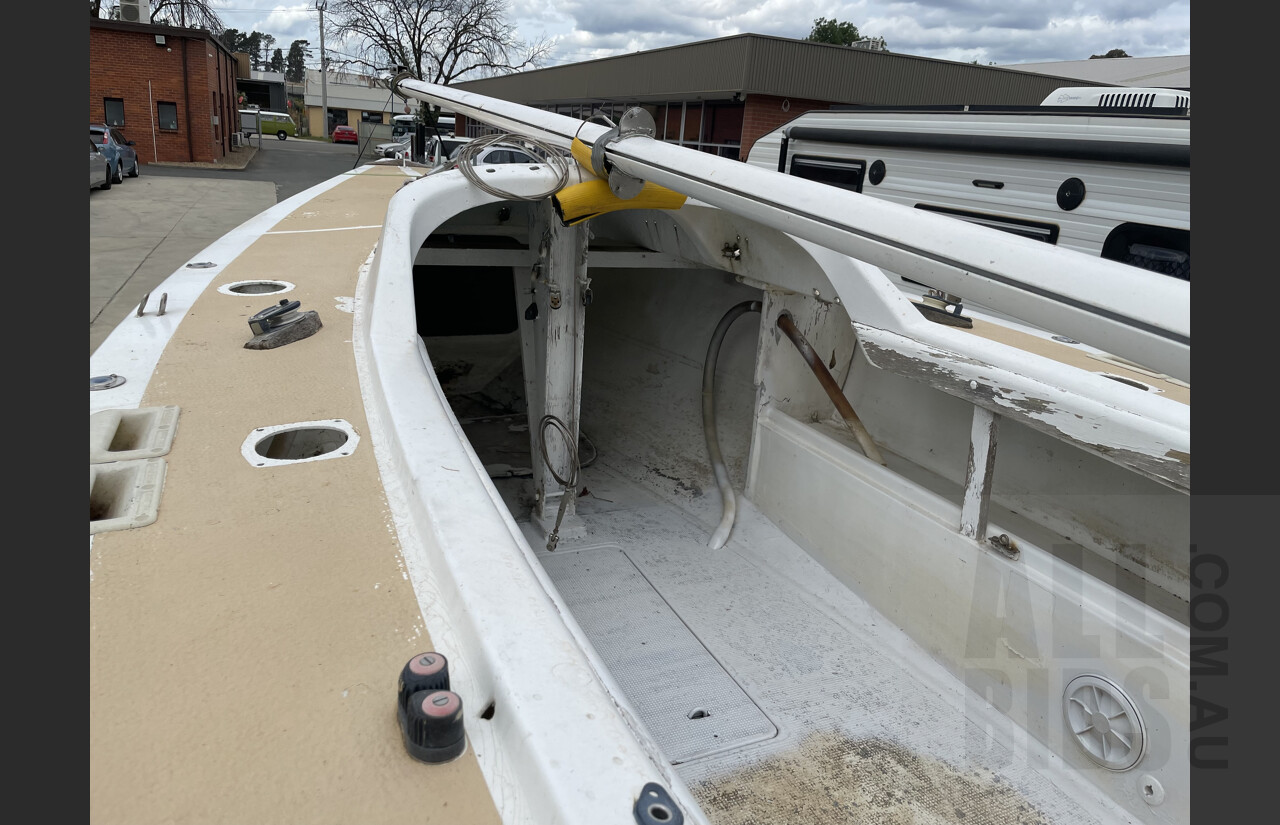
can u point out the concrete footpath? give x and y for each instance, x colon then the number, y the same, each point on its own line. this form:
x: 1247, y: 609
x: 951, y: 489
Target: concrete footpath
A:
x: 143, y: 230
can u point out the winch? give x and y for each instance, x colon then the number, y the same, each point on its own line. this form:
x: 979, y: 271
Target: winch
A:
x: 282, y: 324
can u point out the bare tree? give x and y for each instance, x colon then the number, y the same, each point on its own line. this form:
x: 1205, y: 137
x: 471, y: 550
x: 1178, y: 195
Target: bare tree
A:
x: 192, y: 14
x: 437, y: 40
x: 188, y: 14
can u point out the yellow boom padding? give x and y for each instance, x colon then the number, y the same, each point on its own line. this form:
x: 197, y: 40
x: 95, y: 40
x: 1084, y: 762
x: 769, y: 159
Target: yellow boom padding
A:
x: 583, y: 201
x: 582, y: 154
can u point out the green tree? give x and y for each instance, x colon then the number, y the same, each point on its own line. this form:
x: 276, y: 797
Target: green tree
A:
x: 252, y: 45
x: 295, y: 64
x: 231, y: 39
x: 277, y: 61
x: 833, y: 31
x: 842, y: 33
x: 1112, y: 53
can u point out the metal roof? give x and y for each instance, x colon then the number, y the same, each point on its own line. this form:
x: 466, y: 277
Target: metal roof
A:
x: 1169, y: 72
x: 746, y: 64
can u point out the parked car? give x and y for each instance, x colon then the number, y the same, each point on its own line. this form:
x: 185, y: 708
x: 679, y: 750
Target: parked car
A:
x: 99, y: 168
x: 497, y: 153
x: 396, y: 148
x: 345, y: 134
x: 450, y: 145
x: 118, y: 150
x: 402, y: 146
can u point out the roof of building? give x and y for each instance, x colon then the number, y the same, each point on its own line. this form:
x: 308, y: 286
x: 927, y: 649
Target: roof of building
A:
x: 154, y: 29
x: 1169, y: 72
x: 761, y: 64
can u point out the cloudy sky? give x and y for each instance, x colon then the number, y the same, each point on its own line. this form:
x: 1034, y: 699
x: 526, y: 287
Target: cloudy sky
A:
x: 988, y: 31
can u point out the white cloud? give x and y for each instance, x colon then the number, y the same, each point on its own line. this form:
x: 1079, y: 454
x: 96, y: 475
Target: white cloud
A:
x: 998, y: 31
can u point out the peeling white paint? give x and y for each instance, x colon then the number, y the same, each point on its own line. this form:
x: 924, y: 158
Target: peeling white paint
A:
x: 1124, y: 424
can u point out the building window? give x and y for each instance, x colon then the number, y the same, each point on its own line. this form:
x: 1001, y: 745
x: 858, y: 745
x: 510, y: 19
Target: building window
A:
x: 371, y: 117
x: 167, y: 116
x: 115, y: 111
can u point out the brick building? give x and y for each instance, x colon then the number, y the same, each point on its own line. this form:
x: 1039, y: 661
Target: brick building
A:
x: 723, y: 95
x: 170, y: 90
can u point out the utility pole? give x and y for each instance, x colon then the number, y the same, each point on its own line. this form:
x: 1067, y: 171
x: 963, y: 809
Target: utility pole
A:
x: 324, y: 71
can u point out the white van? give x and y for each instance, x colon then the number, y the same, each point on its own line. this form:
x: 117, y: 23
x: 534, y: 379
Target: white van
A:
x: 403, y: 125
x: 273, y: 123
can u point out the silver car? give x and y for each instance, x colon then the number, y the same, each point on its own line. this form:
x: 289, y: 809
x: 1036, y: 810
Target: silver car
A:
x: 396, y: 148
x: 495, y: 153
x: 99, y: 168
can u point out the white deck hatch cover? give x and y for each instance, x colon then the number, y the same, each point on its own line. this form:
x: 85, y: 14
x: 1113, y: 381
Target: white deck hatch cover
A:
x: 690, y: 704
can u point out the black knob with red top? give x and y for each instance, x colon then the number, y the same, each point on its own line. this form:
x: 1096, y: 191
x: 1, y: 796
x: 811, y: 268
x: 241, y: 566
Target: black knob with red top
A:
x: 426, y: 671
x: 432, y: 726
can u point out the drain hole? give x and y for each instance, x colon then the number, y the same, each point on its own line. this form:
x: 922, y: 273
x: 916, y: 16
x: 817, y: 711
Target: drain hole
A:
x: 659, y: 812
x: 257, y: 288
x: 488, y: 712
x: 109, y: 497
x: 698, y: 713
x: 308, y: 442
x: 129, y: 435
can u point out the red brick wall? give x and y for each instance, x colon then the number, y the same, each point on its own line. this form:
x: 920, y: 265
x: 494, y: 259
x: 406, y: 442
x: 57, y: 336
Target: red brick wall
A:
x: 130, y: 66
x: 761, y: 114
x: 764, y: 113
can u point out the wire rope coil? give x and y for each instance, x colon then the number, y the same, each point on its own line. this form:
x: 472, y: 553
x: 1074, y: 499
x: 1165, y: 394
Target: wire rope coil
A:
x: 571, y: 483
x: 466, y: 156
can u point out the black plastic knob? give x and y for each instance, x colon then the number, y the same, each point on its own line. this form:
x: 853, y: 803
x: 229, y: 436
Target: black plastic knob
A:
x: 433, y: 729
x: 426, y: 671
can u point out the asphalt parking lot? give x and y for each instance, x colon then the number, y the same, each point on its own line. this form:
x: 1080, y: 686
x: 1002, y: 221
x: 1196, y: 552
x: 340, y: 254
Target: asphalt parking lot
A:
x: 143, y: 230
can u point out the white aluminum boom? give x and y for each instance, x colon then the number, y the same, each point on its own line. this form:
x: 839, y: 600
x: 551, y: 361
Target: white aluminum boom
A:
x: 1141, y: 316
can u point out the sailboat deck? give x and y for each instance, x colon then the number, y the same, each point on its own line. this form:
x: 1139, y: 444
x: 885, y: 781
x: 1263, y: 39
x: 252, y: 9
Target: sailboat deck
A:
x: 869, y: 728
x: 244, y: 649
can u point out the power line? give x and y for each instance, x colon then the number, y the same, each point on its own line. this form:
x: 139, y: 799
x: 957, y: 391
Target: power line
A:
x: 264, y: 12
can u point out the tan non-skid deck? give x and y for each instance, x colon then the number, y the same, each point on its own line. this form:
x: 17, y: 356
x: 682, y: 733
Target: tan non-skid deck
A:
x: 245, y: 648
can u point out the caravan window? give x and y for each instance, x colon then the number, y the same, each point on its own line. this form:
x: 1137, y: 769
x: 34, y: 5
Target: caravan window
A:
x: 1157, y: 248
x: 1035, y: 230
x: 847, y: 174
